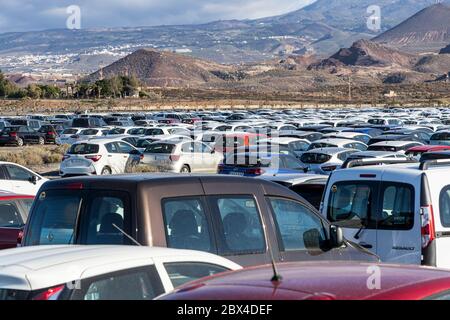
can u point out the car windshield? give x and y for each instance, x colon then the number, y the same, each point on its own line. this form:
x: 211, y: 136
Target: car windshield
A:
x: 83, y: 148
x: 70, y: 131
x: 315, y: 158
x: 89, y: 132
x: 164, y: 148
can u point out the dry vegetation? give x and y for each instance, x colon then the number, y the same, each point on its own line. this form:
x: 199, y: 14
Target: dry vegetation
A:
x: 34, y: 155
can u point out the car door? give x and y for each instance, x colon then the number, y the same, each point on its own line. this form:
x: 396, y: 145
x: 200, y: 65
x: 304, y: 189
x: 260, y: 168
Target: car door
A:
x: 204, y: 158
x: 115, y: 158
x: 21, y: 180
x: 127, y: 159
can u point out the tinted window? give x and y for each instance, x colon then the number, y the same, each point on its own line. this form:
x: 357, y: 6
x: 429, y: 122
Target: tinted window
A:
x: 70, y: 131
x: 105, y: 215
x: 350, y: 204
x: 241, y: 227
x: 315, y: 158
x: 89, y: 132
x: 111, y: 147
x: 154, y: 132
x: 84, y: 148
x: 183, y: 272
x: 17, y: 173
x: 10, y: 215
x: 291, y: 163
x: 124, y: 148
x: 299, y: 228
x: 310, y: 192
x: 398, y: 207
x: 444, y: 206
x: 160, y: 148
x: 186, y: 225
x: 128, y: 285
x: 143, y: 143
x: 54, y: 219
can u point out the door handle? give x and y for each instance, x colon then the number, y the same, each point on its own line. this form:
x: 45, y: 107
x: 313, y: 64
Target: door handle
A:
x: 366, y: 245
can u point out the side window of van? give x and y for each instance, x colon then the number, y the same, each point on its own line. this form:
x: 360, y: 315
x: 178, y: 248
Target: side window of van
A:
x: 186, y: 224
x: 444, y: 206
x: 241, y: 230
x: 350, y: 204
x: 397, y: 211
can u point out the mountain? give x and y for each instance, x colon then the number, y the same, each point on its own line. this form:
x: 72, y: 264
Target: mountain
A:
x: 321, y: 28
x: 164, y: 69
x: 427, y: 30
x: 365, y: 53
x: 445, y: 50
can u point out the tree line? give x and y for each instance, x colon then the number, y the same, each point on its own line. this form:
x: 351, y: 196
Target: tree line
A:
x: 115, y: 87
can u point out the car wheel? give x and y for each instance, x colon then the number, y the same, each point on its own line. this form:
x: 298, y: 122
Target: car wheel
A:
x: 41, y: 141
x: 20, y: 142
x: 185, y: 169
x: 106, y: 171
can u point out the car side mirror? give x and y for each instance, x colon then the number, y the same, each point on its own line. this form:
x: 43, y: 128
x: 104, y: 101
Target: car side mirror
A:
x: 336, y: 236
x: 33, y: 179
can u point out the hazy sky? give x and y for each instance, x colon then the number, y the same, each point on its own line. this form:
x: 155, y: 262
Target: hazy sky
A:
x: 26, y: 15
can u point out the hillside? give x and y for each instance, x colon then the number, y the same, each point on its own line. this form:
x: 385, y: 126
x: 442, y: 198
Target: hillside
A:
x: 445, y: 50
x: 427, y: 30
x: 163, y: 69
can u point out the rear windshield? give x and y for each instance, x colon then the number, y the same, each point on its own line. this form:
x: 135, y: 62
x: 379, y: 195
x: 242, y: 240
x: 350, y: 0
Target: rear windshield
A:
x: 144, y: 143
x: 383, y: 148
x: 11, y: 213
x: 315, y: 158
x: 80, y: 122
x: 11, y: 294
x: 441, y: 136
x: 160, y: 148
x: 84, y: 148
x: 89, y: 132
x: 70, y: 131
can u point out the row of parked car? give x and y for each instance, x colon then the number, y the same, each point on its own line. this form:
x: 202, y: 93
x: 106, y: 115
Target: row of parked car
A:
x: 137, y: 236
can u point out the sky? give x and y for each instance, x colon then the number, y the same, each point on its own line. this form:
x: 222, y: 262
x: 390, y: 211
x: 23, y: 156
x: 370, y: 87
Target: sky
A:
x: 28, y: 15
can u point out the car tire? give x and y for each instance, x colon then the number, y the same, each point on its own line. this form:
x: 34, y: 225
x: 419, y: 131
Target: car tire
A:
x: 41, y: 141
x: 106, y: 171
x: 185, y: 169
x: 20, y: 142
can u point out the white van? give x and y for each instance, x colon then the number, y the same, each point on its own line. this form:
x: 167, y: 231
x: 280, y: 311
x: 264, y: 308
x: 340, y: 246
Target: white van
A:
x: 401, y: 212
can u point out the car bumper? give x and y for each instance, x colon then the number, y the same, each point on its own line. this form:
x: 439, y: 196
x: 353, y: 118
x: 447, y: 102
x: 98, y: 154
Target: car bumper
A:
x: 73, y: 171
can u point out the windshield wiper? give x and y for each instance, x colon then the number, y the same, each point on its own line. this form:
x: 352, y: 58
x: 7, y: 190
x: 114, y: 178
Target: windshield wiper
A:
x: 363, y: 226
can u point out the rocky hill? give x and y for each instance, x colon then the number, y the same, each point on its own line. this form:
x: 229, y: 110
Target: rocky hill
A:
x: 445, y: 50
x: 427, y: 30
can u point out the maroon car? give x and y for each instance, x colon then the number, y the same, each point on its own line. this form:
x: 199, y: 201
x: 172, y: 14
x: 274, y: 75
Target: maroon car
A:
x: 13, y: 215
x: 321, y: 281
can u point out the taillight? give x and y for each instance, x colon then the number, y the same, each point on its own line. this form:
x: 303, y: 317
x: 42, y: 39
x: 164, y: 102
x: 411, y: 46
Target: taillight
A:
x: 141, y: 156
x: 257, y: 171
x: 19, y: 238
x: 427, y: 223
x: 329, y: 168
x: 49, y: 294
x: 94, y: 158
x: 13, y: 134
x: 174, y: 157
x: 74, y: 186
x: 50, y: 133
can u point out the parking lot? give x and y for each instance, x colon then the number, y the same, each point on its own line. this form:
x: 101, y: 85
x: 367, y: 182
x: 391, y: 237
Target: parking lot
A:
x: 202, y: 192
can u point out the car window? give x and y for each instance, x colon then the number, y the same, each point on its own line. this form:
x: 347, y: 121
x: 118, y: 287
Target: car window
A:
x: 350, y: 204
x: 154, y: 132
x: 10, y: 216
x: 183, y: 272
x: 84, y: 148
x: 104, y: 217
x: 186, y: 224
x: 138, y: 284
x: 444, y: 206
x: 54, y: 218
x: 124, y: 148
x: 241, y: 227
x: 112, y: 147
x: 187, y: 147
x: 299, y: 146
x: 163, y: 148
x: 291, y: 163
x: 298, y: 227
x: 398, y: 207
x: 17, y: 173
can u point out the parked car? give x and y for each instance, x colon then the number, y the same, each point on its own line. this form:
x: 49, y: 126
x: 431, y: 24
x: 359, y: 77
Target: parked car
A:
x: 400, y: 212
x: 361, y: 137
x: 14, y: 211
x: 252, y: 164
x: 17, y: 179
x: 320, y: 281
x: 297, y: 146
x: 228, y: 216
x: 99, y: 157
x: 21, y: 135
x: 101, y: 272
x: 182, y: 156
x: 338, y: 143
x: 417, y: 152
x: 394, y: 146
x: 68, y: 136
x: 325, y: 160
x: 49, y: 132
x: 440, y: 138
x: 88, y: 122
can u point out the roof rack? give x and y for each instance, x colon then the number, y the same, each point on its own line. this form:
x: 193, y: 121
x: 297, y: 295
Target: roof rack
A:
x: 373, y: 162
x: 425, y: 165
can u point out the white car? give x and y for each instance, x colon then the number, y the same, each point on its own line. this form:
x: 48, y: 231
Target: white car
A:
x: 69, y: 136
x: 72, y: 272
x: 17, y: 179
x: 338, y: 143
x: 99, y: 157
x: 401, y: 212
x: 184, y: 157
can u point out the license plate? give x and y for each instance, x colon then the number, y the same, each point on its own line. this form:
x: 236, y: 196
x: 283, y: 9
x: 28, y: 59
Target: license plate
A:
x: 236, y: 173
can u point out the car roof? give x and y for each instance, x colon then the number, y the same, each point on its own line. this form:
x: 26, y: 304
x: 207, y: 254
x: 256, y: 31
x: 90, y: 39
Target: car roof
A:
x: 393, y: 143
x: 38, y: 267
x: 335, y: 141
x: 429, y: 148
x: 329, y: 150
x: 309, y: 280
x: 294, y: 179
x: 374, y: 154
